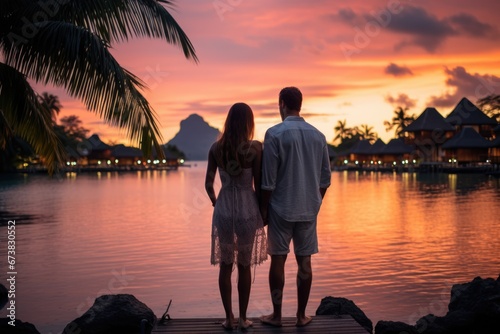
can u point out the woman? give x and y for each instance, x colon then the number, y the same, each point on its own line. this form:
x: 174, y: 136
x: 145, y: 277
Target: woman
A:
x: 238, y: 235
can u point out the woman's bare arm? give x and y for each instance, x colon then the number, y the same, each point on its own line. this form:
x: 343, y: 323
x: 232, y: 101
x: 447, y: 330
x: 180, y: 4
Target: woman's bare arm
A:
x: 210, y: 175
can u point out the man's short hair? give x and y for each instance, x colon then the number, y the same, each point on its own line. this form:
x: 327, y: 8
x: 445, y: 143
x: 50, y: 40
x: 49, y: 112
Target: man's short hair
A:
x: 291, y: 97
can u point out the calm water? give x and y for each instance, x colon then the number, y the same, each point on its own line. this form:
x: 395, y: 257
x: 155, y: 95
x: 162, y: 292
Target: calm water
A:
x: 393, y: 243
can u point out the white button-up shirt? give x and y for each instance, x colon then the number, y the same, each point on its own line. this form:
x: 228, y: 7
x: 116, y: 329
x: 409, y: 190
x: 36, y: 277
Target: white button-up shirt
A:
x: 295, y: 164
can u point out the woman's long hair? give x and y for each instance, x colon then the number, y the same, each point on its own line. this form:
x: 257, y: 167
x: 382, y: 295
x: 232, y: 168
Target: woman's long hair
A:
x: 236, y: 136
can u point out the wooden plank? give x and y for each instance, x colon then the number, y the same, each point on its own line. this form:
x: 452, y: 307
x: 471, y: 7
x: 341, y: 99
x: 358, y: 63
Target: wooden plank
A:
x: 344, y: 324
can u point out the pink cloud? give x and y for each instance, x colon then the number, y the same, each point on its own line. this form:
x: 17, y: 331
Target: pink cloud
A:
x: 258, y: 47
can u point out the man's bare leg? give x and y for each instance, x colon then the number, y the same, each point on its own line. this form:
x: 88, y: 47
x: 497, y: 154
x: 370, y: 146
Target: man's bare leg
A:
x: 276, y: 285
x: 304, y: 282
x: 225, y: 293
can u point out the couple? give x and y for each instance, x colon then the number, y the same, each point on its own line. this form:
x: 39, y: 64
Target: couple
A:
x: 290, y: 175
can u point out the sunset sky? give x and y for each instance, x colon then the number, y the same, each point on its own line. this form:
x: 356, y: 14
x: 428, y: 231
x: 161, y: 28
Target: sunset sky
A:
x: 353, y: 60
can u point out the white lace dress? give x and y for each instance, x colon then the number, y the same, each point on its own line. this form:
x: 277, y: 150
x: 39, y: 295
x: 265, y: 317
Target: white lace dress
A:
x: 238, y: 234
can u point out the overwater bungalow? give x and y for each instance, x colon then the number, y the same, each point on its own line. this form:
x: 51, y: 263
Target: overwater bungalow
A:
x: 376, y: 147
x: 467, y: 146
x: 374, y: 153
x: 496, y: 131
x: 361, y: 152
x: 427, y: 134
x: 396, y: 152
x: 431, y: 141
x: 122, y: 155
x: 331, y: 152
x: 495, y: 146
x: 95, y: 151
x: 494, y: 152
x: 169, y: 160
x: 466, y: 114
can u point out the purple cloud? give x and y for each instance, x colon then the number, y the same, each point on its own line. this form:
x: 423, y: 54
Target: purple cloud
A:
x: 470, y: 25
x: 426, y: 30
x: 397, y: 71
x: 464, y: 84
x: 402, y: 100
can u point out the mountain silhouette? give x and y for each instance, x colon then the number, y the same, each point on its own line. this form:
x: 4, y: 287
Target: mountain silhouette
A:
x: 195, y: 137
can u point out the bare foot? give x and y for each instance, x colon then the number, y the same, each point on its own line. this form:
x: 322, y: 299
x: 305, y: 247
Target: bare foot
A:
x: 303, y: 321
x: 228, y: 324
x: 244, y: 324
x: 271, y: 320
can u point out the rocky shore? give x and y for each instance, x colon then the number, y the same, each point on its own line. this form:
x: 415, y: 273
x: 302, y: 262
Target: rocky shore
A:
x: 474, y: 308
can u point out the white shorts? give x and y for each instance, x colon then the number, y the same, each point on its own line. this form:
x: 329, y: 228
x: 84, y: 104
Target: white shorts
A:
x: 280, y: 232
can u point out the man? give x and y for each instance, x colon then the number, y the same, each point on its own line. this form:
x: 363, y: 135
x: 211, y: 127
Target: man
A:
x: 295, y: 176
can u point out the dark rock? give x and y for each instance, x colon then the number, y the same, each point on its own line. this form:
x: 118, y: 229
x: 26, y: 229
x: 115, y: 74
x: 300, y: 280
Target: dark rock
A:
x: 343, y: 306
x: 474, y: 308
x: 480, y: 300
x: 4, y: 296
x: 457, y: 322
x: 430, y: 324
x: 19, y: 328
x: 394, y: 327
x: 113, y: 314
x: 480, y: 295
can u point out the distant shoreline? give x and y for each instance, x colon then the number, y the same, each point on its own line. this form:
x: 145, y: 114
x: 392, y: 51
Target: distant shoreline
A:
x: 430, y: 168
x: 425, y: 169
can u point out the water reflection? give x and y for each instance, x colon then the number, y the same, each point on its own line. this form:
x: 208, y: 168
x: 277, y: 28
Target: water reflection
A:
x: 394, y: 243
x: 399, y: 240
x: 21, y: 218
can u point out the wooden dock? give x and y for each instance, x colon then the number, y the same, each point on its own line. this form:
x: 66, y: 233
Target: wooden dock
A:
x: 343, y: 324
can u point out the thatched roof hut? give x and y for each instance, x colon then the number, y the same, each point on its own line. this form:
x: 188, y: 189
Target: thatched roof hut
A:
x: 467, y: 114
x: 467, y: 146
x: 377, y: 146
x: 362, y: 147
x: 96, y: 144
x: 494, y: 152
x: 395, y: 151
x: 427, y: 133
x: 331, y: 152
x: 97, y: 150
x: 467, y: 138
x: 495, y: 143
x: 396, y: 147
x: 361, y: 151
x: 126, y: 155
x: 496, y: 129
x: 429, y: 120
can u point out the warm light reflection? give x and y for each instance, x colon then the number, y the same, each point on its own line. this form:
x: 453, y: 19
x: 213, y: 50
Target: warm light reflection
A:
x: 392, y: 242
x: 452, y: 179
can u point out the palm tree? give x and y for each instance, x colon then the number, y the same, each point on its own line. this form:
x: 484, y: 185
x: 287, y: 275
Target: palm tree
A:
x: 400, y: 120
x: 341, y: 130
x: 65, y: 43
x: 51, y: 102
x: 491, y: 106
x: 366, y: 132
x: 72, y: 127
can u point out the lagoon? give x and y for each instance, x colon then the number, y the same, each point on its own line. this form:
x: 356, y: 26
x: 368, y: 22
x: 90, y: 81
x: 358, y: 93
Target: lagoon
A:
x: 393, y: 243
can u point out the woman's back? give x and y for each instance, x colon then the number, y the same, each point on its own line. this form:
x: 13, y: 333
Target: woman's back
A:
x: 236, y: 215
x: 238, y: 236
x: 242, y: 181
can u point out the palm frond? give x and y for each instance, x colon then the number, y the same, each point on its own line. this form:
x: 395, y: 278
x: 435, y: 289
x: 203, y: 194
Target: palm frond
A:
x: 22, y: 114
x: 111, y: 20
x: 87, y: 70
x: 69, y: 48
